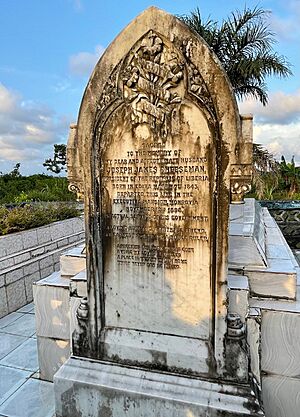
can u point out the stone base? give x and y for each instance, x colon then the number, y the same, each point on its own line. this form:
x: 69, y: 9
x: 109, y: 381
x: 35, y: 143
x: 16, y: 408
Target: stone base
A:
x: 90, y: 389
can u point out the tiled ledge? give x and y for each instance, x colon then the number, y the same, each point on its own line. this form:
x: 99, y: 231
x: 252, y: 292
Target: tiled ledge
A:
x: 33, y: 255
x: 9, y: 263
x: 272, y: 272
x: 20, y: 241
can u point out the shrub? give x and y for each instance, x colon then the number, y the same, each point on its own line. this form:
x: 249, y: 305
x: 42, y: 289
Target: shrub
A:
x: 19, y: 218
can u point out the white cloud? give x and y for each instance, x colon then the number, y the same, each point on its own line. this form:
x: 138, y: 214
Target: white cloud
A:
x: 277, y: 125
x: 77, y: 4
x: 8, y: 100
x: 279, y: 139
x: 287, y: 28
x: 61, y: 86
x: 27, y: 129
x: 282, y: 108
x: 83, y: 63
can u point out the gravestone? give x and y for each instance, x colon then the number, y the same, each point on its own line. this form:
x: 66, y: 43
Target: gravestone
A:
x: 158, y: 152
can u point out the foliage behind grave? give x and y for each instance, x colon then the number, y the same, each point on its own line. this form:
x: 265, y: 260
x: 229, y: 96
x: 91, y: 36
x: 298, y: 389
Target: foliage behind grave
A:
x: 38, y: 187
x: 29, y: 216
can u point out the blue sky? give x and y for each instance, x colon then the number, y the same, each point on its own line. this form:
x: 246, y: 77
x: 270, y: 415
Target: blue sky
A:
x: 48, y: 50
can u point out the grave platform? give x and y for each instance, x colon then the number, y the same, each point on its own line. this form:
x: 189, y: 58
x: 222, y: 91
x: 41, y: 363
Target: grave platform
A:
x: 85, y: 387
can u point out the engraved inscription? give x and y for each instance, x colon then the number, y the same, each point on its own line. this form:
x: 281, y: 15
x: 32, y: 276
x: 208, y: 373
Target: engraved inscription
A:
x: 156, y: 173
x: 156, y: 193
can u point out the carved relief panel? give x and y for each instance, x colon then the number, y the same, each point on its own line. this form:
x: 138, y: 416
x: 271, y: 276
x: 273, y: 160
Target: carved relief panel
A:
x: 157, y: 173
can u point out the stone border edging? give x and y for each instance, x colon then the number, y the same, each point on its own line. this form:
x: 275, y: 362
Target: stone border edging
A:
x: 32, y: 255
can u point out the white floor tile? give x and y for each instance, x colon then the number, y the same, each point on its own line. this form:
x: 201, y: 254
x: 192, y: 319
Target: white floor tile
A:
x: 9, y: 342
x: 23, y: 326
x: 33, y: 399
x: 10, y: 380
x: 23, y: 357
x: 10, y: 318
x: 29, y: 308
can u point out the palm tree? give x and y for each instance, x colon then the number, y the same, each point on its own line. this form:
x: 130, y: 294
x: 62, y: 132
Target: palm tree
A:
x: 266, y: 173
x: 243, y: 44
x: 263, y: 160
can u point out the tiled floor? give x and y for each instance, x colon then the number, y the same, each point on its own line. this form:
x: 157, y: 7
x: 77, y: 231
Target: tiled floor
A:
x: 22, y: 394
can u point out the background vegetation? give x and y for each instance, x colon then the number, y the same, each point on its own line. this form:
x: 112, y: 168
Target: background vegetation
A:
x: 273, y: 180
x: 33, y: 201
x: 15, y: 188
x: 29, y: 216
x: 244, y: 43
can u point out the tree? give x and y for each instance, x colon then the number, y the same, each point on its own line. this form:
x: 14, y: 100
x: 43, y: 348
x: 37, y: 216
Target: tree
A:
x: 263, y: 160
x: 244, y: 45
x: 58, y: 163
x: 266, y: 172
x: 290, y: 174
x: 15, y: 173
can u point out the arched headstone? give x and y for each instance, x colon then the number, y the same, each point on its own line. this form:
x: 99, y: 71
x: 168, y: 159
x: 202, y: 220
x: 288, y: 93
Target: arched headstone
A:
x: 157, y: 133
x: 160, y: 143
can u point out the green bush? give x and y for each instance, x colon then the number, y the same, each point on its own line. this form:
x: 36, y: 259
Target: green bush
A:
x: 30, y: 216
x: 38, y: 187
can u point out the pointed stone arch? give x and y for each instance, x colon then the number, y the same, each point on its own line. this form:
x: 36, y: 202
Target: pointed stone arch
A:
x: 158, y: 84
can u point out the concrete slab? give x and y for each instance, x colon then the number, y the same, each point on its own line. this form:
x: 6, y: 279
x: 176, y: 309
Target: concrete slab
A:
x: 9, y: 342
x: 23, y: 326
x: 92, y: 388
x: 10, y: 380
x: 34, y: 399
x: 23, y: 357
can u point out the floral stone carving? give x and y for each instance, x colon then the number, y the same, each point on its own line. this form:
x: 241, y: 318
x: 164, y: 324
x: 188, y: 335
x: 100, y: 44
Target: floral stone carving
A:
x: 150, y: 78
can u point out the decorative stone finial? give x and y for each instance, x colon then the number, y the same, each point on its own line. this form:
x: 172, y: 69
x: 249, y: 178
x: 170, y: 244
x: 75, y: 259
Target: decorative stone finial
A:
x: 240, y: 182
x: 83, y: 309
x: 235, y: 327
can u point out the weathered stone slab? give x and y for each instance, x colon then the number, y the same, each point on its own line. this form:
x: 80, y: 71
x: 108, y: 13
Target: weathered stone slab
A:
x: 247, y: 243
x: 158, y: 152
x: 258, y: 248
x: 52, y: 353
x: 160, y: 146
x: 281, y: 396
x: 253, y: 340
x: 84, y: 387
x: 134, y: 347
x: 51, y: 299
x: 280, y: 343
x: 78, y: 285
x: 73, y: 261
x: 238, y: 295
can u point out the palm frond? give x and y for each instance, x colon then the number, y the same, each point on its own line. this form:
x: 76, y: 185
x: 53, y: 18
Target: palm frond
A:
x: 244, y: 45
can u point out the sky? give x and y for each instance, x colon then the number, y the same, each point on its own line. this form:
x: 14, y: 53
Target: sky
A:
x: 49, y: 48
